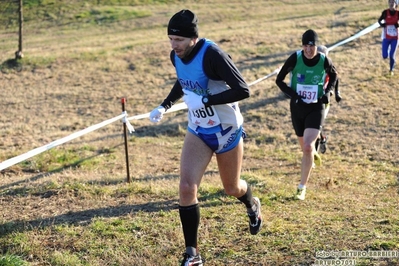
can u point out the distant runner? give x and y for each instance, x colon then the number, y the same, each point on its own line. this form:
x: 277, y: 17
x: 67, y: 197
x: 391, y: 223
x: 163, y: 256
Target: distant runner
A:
x: 389, y: 21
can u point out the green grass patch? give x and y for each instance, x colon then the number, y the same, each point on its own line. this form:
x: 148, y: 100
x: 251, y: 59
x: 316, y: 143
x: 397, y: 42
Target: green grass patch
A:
x: 12, y: 260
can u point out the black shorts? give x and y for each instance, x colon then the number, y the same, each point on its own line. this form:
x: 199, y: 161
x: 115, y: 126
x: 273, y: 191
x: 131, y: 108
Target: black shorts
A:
x: 306, y: 116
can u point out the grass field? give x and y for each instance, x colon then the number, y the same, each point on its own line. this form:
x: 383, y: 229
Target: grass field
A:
x: 72, y: 206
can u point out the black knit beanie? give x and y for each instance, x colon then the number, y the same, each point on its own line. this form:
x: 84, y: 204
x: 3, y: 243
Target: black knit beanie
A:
x: 184, y: 24
x: 309, y: 38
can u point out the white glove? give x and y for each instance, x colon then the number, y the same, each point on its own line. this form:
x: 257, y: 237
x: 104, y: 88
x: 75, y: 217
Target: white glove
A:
x: 193, y: 100
x: 157, y: 114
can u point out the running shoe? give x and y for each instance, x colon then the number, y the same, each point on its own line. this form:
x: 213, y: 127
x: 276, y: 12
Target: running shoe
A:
x: 317, y: 159
x: 323, y: 145
x: 300, y: 193
x: 189, y: 260
x: 255, y: 218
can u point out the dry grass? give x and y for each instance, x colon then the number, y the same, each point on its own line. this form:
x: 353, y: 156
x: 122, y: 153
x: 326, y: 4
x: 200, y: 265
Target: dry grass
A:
x: 71, y: 205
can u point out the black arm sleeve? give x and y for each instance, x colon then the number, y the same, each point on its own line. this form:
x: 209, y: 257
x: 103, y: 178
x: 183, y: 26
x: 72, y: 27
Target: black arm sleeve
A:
x: 218, y: 65
x: 176, y: 93
x: 285, y: 69
x: 332, y: 74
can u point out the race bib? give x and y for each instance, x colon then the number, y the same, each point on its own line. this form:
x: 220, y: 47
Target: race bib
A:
x: 205, y: 117
x: 309, y: 92
x: 392, y: 31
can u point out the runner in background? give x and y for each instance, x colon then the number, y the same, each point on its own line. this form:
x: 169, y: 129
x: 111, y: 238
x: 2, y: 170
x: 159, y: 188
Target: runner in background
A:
x: 389, y: 21
x: 307, y: 69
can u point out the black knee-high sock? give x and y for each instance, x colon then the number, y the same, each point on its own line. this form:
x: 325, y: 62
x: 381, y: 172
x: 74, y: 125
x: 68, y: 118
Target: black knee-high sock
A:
x: 247, y: 199
x: 190, y: 218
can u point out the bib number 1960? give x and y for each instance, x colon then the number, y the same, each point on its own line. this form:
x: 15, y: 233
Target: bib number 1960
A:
x: 205, y: 117
x: 203, y: 112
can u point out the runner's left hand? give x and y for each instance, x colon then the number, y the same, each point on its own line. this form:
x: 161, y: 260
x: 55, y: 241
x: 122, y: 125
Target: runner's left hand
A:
x: 193, y: 100
x: 338, y: 97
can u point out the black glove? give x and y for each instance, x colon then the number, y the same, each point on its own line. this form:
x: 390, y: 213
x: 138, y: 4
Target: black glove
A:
x: 325, y: 98
x: 299, y: 99
x: 383, y: 25
x: 338, y: 97
x: 396, y: 25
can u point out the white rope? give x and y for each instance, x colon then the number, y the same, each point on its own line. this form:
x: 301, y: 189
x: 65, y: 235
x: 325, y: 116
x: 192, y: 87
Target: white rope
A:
x: 174, y: 108
x: 355, y: 36
x: 22, y: 157
x: 275, y: 72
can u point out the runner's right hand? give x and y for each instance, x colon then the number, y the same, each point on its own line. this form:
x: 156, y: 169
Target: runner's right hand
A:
x: 157, y: 114
x: 325, y: 98
x: 338, y: 97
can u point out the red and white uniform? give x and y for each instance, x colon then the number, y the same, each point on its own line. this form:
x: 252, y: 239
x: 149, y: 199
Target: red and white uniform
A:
x: 390, y: 31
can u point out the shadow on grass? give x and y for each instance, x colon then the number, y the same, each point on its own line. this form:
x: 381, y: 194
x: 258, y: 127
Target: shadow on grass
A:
x: 46, y: 174
x: 85, y: 217
x: 11, y: 64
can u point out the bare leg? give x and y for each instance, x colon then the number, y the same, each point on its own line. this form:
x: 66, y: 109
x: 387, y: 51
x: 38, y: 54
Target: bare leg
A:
x: 307, y: 143
x: 195, y: 157
x: 230, y: 171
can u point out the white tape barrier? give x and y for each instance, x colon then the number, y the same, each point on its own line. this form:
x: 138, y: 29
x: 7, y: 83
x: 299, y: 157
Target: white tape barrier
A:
x: 355, y: 36
x: 174, y: 108
x: 181, y: 106
x: 22, y: 157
